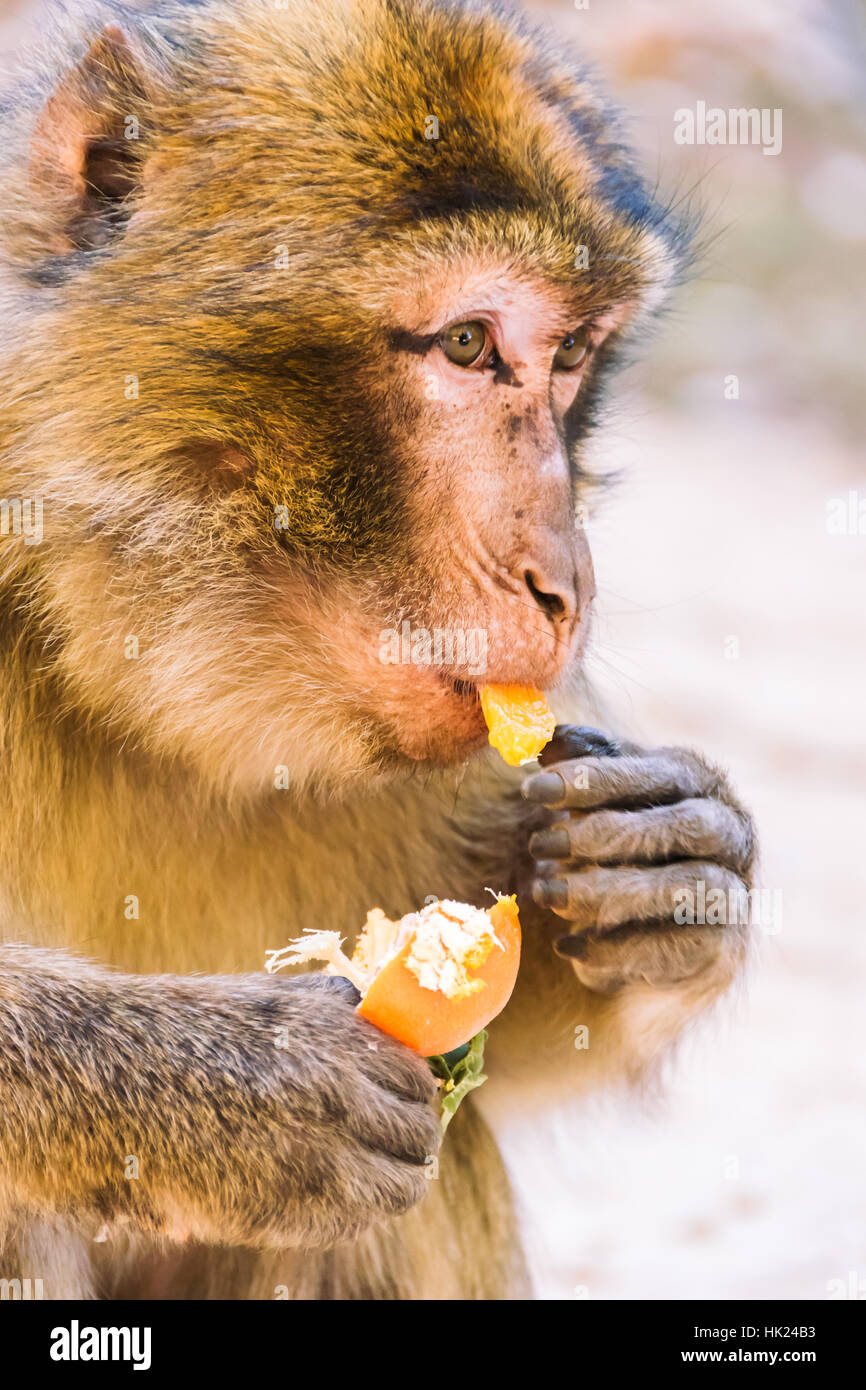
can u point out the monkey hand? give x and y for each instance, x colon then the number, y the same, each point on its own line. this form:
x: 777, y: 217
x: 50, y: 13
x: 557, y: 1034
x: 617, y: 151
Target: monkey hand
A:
x: 241, y: 1110
x: 319, y: 1125
x: 648, y: 858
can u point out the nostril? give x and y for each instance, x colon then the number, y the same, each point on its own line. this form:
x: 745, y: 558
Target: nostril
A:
x: 552, y: 605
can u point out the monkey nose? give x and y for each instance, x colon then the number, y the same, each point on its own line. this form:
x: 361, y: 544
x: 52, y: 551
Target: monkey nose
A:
x: 556, y: 595
x: 557, y: 601
x: 558, y: 573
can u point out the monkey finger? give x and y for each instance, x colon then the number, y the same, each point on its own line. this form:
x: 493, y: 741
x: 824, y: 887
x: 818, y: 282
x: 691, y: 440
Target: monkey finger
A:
x: 604, y: 898
x: 579, y: 741
x: 406, y: 1131
x: 697, y: 828
x: 395, y: 1070
x: 654, y: 779
x: 390, y: 1186
x: 631, y: 953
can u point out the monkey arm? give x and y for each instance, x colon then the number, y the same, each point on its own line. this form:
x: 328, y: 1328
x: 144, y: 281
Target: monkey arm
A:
x: 236, y: 1109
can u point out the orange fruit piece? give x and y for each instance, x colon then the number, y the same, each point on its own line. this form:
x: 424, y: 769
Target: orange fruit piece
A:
x: 433, y: 979
x: 474, y: 984
x: 519, y: 720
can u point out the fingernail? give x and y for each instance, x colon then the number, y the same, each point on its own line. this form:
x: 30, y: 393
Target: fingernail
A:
x: 553, y: 843
x: 544, y: 788
x: 550, y: 892
x: 570, y: 947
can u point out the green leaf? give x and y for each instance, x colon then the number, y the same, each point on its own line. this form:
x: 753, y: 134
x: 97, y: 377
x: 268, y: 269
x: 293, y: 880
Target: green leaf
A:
x: 459, y: 1075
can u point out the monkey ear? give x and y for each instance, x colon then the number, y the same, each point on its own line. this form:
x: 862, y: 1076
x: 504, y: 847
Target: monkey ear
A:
x: 85, y: 147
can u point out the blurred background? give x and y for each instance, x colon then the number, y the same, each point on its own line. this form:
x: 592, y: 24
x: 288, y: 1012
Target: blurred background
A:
x: 732, y: 605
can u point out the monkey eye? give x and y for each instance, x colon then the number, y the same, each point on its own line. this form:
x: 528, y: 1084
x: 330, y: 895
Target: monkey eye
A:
x: 572, y: 350
x: 463, y: 343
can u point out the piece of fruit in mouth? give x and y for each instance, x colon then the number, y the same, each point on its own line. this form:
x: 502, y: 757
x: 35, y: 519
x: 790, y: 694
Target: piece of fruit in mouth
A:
x: 519, y: 720
x: 433, y: 979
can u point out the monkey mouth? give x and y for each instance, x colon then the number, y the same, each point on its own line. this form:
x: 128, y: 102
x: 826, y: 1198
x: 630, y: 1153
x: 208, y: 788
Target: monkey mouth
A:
x: 461, y: 694
x: 443, y: 723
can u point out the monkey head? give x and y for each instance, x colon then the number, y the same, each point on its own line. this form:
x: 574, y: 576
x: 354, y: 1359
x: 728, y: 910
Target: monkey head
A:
x: 314, y: 306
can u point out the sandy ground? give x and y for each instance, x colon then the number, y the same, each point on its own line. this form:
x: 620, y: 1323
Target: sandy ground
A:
x: 731, y: 619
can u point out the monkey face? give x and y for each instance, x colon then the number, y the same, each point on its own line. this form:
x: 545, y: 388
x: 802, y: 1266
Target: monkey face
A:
x: 457, y: 552
x: 481, y: 379
x: 309, y: 375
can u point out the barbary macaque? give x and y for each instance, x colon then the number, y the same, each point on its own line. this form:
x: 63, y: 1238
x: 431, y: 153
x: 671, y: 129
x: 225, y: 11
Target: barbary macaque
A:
x: 306, y: 314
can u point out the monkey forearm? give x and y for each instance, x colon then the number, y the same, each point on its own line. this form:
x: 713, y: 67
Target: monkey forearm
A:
x: 101, y: 1056
x: 233, y: 1108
